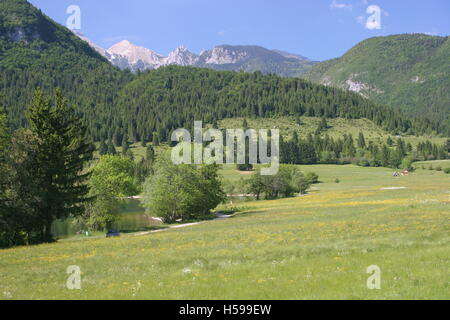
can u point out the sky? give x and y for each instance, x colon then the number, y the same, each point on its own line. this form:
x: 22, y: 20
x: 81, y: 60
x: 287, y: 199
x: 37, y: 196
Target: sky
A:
x: 317, y: 29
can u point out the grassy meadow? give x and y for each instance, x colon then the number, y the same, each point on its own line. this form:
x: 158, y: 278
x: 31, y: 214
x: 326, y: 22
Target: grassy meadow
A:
x: 313, y: 247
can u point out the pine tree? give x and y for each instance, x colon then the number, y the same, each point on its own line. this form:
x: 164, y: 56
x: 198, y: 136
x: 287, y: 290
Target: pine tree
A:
x: 125, y: 145
x: 150, y: 153
x: 361, y: 141
x: 61, y: 153
x: 245, y: 124
x: 389, y: 142
x: 103, y: 149
x: 117, y: 138
x: 111, y: 148
x: 155, y: 139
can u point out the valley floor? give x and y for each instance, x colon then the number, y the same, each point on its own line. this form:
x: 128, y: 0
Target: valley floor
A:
x: 313, y: 247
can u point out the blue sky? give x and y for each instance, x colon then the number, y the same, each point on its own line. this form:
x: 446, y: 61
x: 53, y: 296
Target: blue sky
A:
x: 318, y: 29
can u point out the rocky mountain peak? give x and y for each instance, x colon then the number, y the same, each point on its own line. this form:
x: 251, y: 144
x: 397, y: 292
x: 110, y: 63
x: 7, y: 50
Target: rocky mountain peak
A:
x: 181, y: 56
x: 127, y: 55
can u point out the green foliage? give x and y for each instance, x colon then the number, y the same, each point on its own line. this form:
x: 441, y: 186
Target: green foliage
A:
x: 150, y: 153
x: 288, y: 182
x: 361, y: 141
x: 103, y: 149
x: 182, y: 191
x: 312, y: 177
x: 324, y: 149
x: 407, y: 164
x: 110, y: 183
x: 447, y: 170
x: 46, y: 181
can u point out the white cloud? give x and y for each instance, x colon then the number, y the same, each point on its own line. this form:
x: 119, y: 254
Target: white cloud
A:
x: 221, y: 33
x: 336, y: 5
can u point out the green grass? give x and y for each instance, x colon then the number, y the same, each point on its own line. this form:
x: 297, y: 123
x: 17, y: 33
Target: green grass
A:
x: 313, y: 247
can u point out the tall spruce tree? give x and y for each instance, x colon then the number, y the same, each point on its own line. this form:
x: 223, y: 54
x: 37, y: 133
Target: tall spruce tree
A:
x: 111, y: 148
x: 103, y: 149
x: 62, y: 152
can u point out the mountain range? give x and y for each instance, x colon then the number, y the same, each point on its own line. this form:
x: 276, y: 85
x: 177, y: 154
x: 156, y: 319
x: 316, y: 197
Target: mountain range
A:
x: 127, y: 55
x: 37, y: 52
x: 408, y: 71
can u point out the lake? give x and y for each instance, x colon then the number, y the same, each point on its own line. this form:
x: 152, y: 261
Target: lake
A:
x: 132, y: 219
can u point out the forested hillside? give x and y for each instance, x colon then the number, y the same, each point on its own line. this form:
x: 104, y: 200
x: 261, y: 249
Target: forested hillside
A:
x: 174, y: 97
x: 37, y: 52
x: 410, y: 72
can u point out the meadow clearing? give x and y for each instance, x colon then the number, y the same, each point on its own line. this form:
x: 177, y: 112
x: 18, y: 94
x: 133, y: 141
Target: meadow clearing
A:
x: 314, y: 247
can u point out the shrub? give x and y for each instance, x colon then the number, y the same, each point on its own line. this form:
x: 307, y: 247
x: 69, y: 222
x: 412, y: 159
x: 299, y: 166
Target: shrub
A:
x: 364, y: 163
x: 288, y: 182
x: 447, y: 170
x: 438, y: 168
x: 312, y: 177
x: 337, y: 180
x: 184, y: 192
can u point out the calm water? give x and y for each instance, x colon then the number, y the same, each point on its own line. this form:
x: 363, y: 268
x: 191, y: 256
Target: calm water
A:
x: 132, y: 219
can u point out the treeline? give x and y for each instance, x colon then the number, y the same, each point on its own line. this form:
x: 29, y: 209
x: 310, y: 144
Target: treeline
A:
x: 320, y: 148
x: 157, y: 102
x: 288, y: 182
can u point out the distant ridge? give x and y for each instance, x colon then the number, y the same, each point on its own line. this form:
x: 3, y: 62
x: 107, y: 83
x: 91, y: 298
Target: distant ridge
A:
x: 407, y: 71
x: 127, y: 55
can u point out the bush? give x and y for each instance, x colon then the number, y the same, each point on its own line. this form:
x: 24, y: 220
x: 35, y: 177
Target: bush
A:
x: 312, y: 177
x: 364, y: 163
x: 447, y: 170
x: 337, y: 180
x: 286, y: 183
x: 111, y: 181
x: 185, y: 192
x: 407, y: 164
x: 438, y: 168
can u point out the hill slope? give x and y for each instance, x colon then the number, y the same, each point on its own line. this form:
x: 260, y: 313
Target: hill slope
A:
x: 37, y: 52
x: 173, y: 97
x: 409, y: 71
